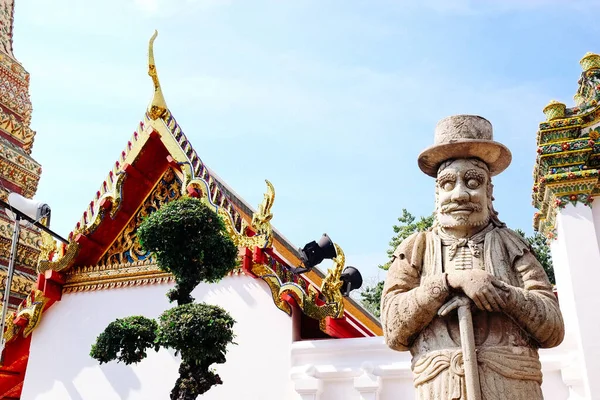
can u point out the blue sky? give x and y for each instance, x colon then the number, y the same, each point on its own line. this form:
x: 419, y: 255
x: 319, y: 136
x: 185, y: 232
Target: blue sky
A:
x: 331, y: 101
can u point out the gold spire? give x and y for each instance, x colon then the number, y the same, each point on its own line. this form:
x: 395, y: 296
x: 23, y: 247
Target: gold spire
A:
x: 158, y: 105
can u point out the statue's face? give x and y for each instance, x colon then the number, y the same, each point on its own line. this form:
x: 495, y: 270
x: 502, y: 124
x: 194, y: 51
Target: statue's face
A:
x: 462, y: 194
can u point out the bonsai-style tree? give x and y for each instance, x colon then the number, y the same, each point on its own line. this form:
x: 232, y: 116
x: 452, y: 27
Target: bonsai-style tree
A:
x: 188, y: 240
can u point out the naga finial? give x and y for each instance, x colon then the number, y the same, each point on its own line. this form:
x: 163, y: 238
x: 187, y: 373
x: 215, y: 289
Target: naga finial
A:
x: 158, y: 106
x: 261, y: 220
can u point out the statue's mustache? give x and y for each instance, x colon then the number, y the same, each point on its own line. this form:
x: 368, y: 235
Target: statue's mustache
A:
x: 467, y: 206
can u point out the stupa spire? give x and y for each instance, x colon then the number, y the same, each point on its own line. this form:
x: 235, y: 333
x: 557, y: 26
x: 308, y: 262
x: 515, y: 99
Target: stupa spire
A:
x: 158, y: 105
x: 6, y: 26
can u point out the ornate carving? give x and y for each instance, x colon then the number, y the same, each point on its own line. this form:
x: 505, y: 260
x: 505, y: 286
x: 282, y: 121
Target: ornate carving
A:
x: 31, y: 309
x: 330, y: 288
x: 11, y: 152
x: 29, y: 244
x: 554, y: 110
x: 110, y: 190
x: 48, y: 247
x: 114, y: 276
x: 332, y: 302
x: 20, y: 284
x: 261, y: 225
x: 126, y: 247
x: 261, y: 220
x: 20, y: 177
x: 6, y: 24
x: 274, y: 282
x: 566, y: 169
x: 14, y: 90
x: 64, y: 260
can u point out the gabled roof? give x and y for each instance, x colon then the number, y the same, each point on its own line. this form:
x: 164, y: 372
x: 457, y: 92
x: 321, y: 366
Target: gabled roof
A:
x: 158, y: 165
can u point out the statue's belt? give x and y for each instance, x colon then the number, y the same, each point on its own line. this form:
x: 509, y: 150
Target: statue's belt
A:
x: 511, y: 362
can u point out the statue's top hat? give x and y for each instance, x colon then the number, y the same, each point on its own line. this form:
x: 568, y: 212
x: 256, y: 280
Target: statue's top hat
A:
x: 464, y: 136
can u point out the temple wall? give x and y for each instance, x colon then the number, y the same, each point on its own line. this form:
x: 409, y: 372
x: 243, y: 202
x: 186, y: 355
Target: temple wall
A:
x: 265, y: 365
x: 60, y: 366
x: 366, y: 369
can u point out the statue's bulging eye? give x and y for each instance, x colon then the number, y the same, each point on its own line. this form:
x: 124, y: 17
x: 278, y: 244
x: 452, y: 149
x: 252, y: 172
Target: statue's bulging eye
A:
x: 473, y: 183
x: 448, y: 186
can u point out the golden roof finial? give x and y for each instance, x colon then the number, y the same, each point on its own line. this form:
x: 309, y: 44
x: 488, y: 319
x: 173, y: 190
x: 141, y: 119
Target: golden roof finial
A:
x: 590, y: 61
x: 158, y: 105
x: 554, y: 110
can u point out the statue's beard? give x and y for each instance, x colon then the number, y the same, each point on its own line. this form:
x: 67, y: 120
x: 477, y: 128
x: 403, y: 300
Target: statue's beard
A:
x: 477, y: 217
x: 463, y: 221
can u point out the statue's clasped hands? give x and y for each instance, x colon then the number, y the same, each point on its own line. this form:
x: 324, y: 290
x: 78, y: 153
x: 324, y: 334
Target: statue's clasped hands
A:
x: 487, y: 292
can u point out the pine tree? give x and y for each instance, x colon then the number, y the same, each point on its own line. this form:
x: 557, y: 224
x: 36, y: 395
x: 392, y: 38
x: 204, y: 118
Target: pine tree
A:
x: 408, y: 224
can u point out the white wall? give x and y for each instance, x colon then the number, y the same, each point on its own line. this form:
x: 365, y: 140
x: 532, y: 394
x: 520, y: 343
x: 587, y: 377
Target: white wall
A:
x: 366, y: 369
x: 60, y: 367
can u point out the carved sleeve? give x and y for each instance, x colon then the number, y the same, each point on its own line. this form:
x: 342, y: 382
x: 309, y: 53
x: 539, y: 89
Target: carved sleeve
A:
x: 409, y: 302
x: 533, y: 306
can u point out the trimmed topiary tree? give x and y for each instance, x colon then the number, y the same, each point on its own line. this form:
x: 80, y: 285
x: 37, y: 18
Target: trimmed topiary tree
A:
x: 189, y: 240
x: 126, y: 340
x: 201, y: 333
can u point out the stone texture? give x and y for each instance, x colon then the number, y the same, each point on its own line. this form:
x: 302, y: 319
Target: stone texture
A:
x: 469, y: 265
x: 464, y: 136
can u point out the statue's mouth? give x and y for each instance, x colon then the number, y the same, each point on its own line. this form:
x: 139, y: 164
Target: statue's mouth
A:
x: 456, y: 208
x: 462, y: 210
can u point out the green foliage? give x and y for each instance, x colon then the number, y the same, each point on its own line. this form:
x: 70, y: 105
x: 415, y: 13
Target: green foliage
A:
x: 406, y: 227
x: 371, y: 296
x: 126, y: 340
x: 408, y: 224
x: 200, y: 332
x: 189, y: 240
x: 541, y: 250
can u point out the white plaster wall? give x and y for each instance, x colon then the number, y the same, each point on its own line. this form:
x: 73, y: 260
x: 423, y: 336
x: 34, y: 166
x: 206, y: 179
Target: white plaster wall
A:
x: 60, y: 367
x: 366, y: 369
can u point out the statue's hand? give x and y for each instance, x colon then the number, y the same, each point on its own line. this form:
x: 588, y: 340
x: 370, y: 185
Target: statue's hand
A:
x: 453, y: 304
x: 480, y: 287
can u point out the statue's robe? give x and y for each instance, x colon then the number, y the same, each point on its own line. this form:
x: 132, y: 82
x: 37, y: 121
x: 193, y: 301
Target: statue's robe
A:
x: 507, y: 342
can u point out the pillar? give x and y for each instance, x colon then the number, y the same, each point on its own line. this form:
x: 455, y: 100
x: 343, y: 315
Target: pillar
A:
x: 576, y: 258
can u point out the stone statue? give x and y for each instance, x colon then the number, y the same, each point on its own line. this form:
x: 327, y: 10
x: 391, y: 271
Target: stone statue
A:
x: 469, y: 262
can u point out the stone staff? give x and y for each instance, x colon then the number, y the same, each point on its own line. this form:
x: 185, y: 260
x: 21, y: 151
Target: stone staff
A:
x: 467, y: 342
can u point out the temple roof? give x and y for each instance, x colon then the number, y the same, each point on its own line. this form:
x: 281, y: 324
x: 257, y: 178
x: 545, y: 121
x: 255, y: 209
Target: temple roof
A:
x: 159, y: 165
x: 159, y: 148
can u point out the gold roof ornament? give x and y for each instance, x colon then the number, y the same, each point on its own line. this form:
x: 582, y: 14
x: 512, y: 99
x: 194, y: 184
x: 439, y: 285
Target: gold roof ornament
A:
x: 590, y: 61
x: 554, y: 110
x: 158, y: 105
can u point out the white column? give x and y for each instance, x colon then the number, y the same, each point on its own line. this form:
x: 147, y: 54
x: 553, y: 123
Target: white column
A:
x: 367, y: 384
x: 577, y: 269
x: 306, y: 384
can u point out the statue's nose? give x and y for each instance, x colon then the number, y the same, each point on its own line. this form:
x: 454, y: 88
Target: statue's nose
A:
x: 460, y: 194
